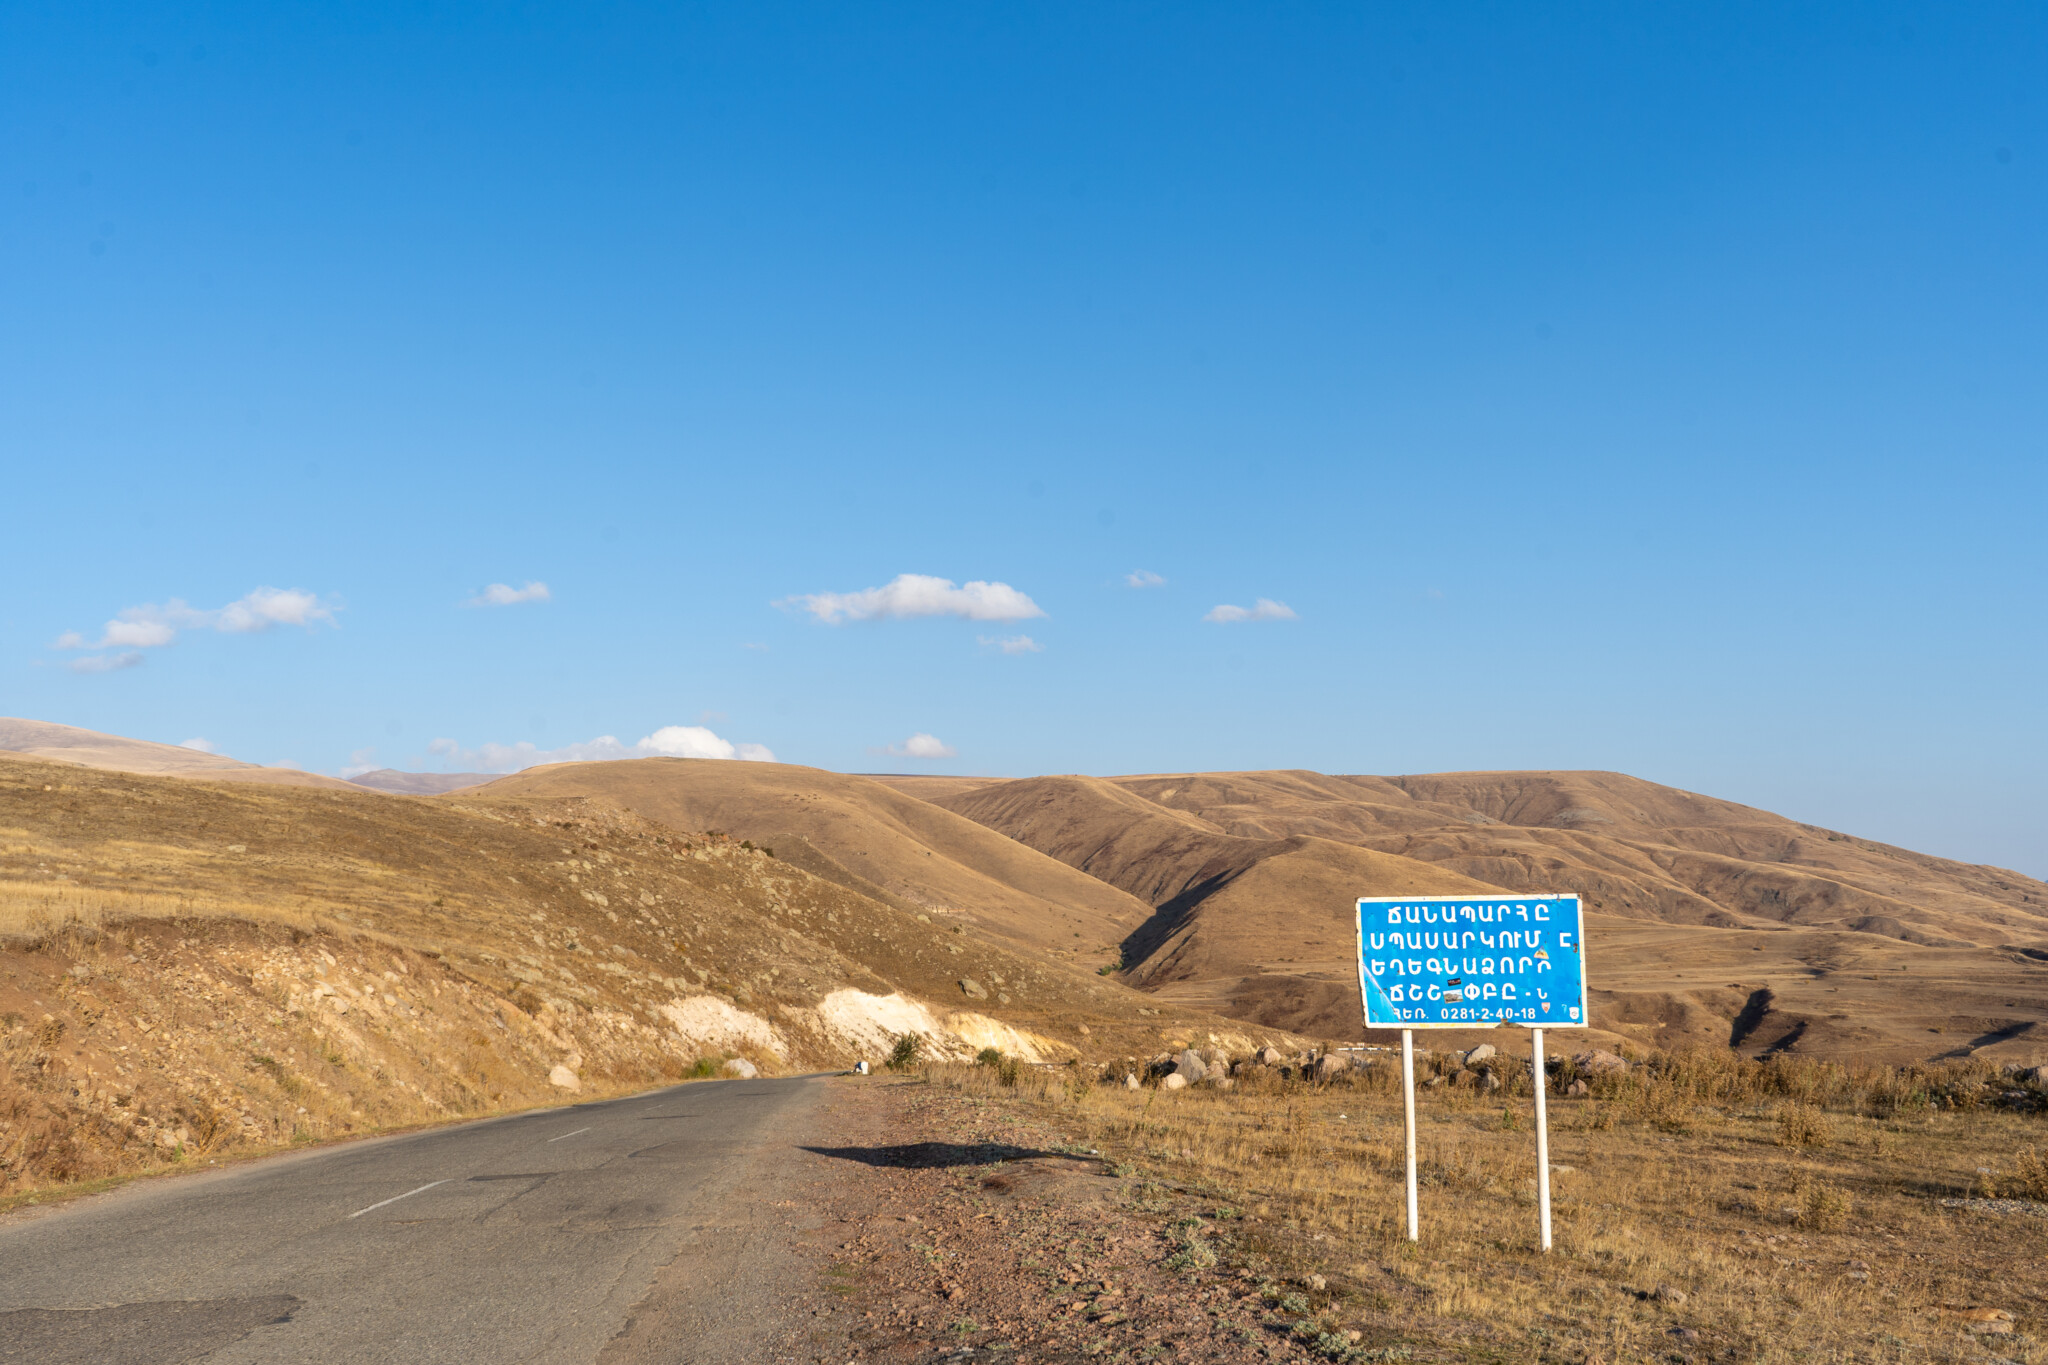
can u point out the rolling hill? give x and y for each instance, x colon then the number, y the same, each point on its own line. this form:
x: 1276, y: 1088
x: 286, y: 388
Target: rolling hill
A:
x: 1720, y: 922
x: 191, y: 963
x: 114, y: 753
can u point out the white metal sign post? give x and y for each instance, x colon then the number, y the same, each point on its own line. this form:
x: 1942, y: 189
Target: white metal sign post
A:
x: 1439, y: 963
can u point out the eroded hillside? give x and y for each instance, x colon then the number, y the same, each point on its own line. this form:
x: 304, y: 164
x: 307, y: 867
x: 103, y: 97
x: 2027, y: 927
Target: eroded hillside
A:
x: 190, y: 966
x: 1720, y: 923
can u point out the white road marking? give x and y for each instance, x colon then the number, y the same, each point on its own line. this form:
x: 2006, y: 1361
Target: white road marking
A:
x: 566, y: 1135
x: 396, y: 1197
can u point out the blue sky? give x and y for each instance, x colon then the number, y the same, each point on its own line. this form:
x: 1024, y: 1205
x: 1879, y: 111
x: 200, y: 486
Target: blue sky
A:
x: 1618, y: 387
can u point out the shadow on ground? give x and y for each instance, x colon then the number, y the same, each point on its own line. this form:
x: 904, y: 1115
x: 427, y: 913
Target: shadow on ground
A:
x: 926, y: 1155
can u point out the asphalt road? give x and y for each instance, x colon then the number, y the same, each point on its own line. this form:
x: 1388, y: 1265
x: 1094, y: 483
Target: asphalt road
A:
x: 528, y: 1239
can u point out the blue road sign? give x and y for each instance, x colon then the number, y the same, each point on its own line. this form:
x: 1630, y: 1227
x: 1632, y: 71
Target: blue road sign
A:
x: 1472, y: 963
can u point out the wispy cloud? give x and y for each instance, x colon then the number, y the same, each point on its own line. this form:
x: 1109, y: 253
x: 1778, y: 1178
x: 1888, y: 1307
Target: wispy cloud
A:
x: 921, y: 745
x: 505, y: 595
x: 360, y: 761
x: 1012, y: 644
x: 1265, y: 609
x: 152, y: 626
x: 670, y: 741
x: 1144, y: 578
x: 916, y: 594
x: 106, y: 663
x: 204, y: 746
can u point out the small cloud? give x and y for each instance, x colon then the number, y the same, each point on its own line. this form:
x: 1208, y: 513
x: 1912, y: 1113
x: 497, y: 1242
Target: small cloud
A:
x: 922, y: 745
x: 751, y: 645
x: 505, y: 595
x: 1012, y: 644
x: 1144, y: 578
x: 151, y: 626
x: 670, y: 741
x: 204, y: 746
x: 360, y: 761
x: 136, y: 634
x: 1265, y: 609
x: 106, y: 663
x: 914, y: 594
x: 711, y: 717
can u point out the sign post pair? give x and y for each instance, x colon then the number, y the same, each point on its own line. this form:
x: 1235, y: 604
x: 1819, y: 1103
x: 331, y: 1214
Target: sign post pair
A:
x: 1466, y: 963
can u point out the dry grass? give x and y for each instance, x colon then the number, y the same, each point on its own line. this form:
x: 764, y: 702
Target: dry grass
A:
x: 1694, y: 1220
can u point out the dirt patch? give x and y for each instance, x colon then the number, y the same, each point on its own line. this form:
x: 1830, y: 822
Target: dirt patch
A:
x: 954, y: 1230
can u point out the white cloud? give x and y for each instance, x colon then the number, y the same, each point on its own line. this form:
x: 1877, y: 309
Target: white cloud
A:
x: 670, y: 741
x: 916, y: 594
x: 204, y: 746
x: 137, y: 634
x: 106, y: 663
x: 1265, y: 609
x: 360, y: 761
x: 152, y: 627
x: 922, y: 745
x: 1144, y: 578
x: 505, y: 595
x: 1012, y: 644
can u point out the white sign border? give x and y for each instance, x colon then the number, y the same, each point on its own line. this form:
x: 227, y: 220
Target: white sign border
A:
x: 1585, y: 1019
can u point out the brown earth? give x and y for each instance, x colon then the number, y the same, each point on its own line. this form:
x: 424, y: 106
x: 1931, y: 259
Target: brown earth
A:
x: 867, y: 837
x: 201, y: 967
x: 1807, y: 938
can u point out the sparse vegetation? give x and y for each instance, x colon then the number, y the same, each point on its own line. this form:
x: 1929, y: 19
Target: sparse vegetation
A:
x: 904, y: 1055
x: 1772, y: 1244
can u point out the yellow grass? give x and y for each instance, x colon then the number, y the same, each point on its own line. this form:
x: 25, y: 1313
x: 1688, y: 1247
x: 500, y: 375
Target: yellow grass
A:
x: 1674, y: 1213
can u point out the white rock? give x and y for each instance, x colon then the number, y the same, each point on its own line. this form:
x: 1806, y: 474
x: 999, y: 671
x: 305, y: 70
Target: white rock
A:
x: 742, y: 1068
x: 565, y: 1078
x: 1479, y: 1054
x: 1176, y: 1081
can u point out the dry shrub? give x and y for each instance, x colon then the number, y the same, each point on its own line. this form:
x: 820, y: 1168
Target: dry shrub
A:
x: 2028, y: 1178
x: 1802, y: 1125
x: 1821, y: 1207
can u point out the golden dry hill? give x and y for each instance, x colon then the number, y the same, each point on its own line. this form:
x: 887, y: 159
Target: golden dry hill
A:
x: 1715, y: 922
x: 191, y: 965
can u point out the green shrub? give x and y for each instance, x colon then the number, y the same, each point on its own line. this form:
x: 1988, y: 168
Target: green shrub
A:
x: 905, y: 1054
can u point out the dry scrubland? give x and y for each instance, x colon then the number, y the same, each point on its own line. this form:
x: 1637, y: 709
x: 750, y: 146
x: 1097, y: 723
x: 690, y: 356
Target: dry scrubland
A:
x: 1717, y: 923
x: 1707, y: 1207
x: 192, y: 970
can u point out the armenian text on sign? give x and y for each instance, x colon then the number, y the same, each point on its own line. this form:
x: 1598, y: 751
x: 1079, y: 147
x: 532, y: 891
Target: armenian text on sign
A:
x: 1472, y: 963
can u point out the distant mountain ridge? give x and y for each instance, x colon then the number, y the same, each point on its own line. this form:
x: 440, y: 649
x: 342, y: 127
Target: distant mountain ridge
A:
x: 421, y: 784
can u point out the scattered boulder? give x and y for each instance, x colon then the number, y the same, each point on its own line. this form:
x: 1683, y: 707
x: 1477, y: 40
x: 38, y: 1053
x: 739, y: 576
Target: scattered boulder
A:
x: 1131, y: 1081
x: 1666, y: 1294
x: 1577, y: 1090
x: 1269, y: 1056
x: 1484, y: 1052
x: 1487, y: 1081
x: 2035, y: 1076
x: 563, y: 1077
x: 1174, y: 1081
x: 1190, y: 1067
x: 973, y: 989
x: 1316, y: 1283
x: 741, y: 1068
x: 1331, y: 1065
x: 1601, y: 1063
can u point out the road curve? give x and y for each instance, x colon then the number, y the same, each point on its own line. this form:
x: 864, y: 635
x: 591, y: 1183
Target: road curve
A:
x: 528, y: 1239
